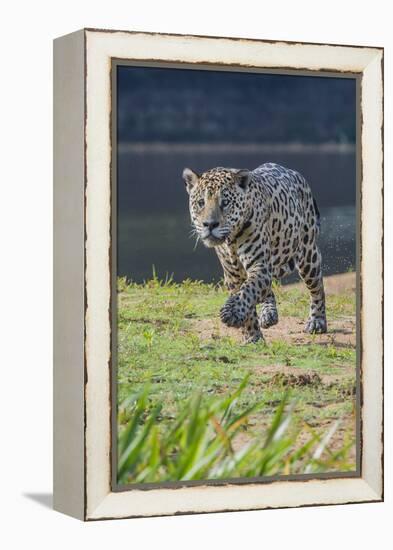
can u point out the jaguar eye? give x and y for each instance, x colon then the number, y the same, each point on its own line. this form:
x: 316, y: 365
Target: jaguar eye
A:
x: 224, y: 203
x: 201, y: 203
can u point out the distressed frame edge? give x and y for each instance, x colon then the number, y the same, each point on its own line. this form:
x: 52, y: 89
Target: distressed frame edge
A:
x: 69, y: 274
x: 235, y: 38
x: 372, y: 271
x: 375, y: 493
x: 360, y: 493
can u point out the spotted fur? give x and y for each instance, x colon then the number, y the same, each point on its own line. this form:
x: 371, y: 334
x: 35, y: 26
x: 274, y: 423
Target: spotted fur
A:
x: 262, y: 224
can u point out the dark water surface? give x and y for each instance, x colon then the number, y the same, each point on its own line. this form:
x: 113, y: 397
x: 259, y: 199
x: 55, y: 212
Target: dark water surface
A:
x: 153, y: 220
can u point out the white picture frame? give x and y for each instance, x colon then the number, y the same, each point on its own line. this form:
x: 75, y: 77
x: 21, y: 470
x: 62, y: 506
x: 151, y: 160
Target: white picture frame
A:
x: 83, y: 273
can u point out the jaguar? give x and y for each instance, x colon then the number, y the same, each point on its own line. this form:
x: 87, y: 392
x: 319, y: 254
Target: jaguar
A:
x: 263, y: 224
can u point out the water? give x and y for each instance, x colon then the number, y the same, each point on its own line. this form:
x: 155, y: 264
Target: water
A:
x: 153, y: 220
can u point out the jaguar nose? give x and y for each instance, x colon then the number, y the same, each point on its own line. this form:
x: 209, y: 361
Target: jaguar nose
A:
x: 210, y: 225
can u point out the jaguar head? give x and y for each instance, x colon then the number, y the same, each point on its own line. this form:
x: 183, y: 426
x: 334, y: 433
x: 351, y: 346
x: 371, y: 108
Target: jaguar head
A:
x: 219, y: 203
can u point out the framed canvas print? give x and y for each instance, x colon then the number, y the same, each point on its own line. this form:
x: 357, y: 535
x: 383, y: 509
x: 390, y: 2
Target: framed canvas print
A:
x: 218, y: 274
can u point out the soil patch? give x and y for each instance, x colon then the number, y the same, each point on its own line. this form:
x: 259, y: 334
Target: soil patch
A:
x: 341, y: 333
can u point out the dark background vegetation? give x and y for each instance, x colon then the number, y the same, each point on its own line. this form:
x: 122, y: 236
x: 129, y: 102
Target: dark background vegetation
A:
x: 189, y: 106
x: 171, y: 118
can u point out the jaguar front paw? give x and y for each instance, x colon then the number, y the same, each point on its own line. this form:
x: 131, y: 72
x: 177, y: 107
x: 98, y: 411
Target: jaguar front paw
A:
x: 316, y: 325
x: 233, y: 313
x: 268, y: 318
x: 253, y: 338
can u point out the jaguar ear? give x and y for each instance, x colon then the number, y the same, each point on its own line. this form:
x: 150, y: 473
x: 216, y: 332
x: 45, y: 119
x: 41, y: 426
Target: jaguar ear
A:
x: 243, y: 178
x: 190, y: 178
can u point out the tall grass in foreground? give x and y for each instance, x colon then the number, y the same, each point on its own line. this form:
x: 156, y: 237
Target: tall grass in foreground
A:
x: 200, y: 444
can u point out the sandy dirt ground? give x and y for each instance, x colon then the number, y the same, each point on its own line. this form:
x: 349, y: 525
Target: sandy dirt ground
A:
x: 341, y: 333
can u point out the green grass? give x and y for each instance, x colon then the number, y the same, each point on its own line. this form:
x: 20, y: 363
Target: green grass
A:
x: 169, y: 337
x: 200, y: 442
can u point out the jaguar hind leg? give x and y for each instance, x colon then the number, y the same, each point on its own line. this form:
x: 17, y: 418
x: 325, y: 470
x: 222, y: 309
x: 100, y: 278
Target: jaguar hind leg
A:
x: 310, y: 270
